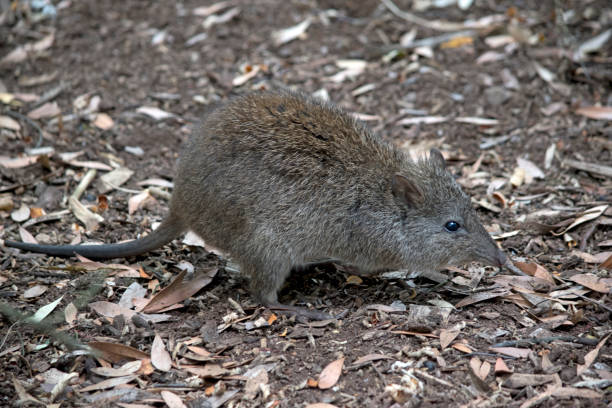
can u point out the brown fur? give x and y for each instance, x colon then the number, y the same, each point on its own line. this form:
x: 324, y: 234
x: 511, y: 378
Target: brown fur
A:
x: 279, y: 180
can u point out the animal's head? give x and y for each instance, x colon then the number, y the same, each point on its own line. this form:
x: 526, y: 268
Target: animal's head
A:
x: 440, y: 225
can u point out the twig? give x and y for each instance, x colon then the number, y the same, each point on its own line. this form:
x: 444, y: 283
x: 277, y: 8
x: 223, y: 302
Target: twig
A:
x: 8, y: 332
x: 430, y: 377
x: 416, y: 19
x: 438, y: 39
x: 604, y: 307
x: 45, y: 218
x: 590, y: 167
x: 483, y: 354
x: 51, y: 94
x: 438, y: 24
x: 85, y: 181
x: 30, y: 122
x: 540, y: 340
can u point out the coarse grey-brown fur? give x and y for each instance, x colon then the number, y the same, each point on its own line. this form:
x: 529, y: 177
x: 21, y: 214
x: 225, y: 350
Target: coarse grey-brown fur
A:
x: 279, y: 180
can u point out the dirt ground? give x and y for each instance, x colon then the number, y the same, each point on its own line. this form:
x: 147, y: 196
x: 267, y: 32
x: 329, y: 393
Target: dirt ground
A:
x: 520, y: 105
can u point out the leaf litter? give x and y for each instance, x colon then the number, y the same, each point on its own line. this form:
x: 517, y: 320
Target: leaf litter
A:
x: 561, y: 301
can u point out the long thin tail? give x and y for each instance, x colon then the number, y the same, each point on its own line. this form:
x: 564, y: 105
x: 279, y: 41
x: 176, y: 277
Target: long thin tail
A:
x: 166, y: 232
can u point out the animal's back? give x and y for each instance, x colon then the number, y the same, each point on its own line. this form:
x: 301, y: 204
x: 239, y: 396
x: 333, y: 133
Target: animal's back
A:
x: 284, y: 169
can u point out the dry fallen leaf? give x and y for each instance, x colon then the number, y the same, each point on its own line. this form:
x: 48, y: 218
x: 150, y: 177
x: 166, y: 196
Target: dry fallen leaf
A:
x: 7, y: 122
x: 114, y: 179
x: 23, y: 394
x: 48, y: 110
x: 330, y: 374
x: 511, y: 351
x: 544, y: 73
x: 426, y: 120
x: 477, y: 121
x: 7, y: 204
x: 160, y: 358
x: 588, y: 215
x: 350, y: 70
x: 573, y: 392
x: 126, y: 369
x: 593, y: 282
x: 89, y: 219
x: 369, y: 358
x: 138, y: 201
x: 495, y: 41
x: 519, y: 380
x: 207, y: 371
x: 590, y: 357
x: 490, y: 56
x: 205, y: 11
x: 17, y: 162
x: 597, y: 258
x: 607, y: 264
x: 244, y: 78
x: 518, y: 177
x: 531, y: 170
x: 116, y: 352
x: 321, y: 405
x: 172, y: 400
x: 535, y: 270
x: 26, y: 236
x: 354, y: 280
x: 456, y: 42
x: 21, y: 214
x: 480, y: 368
x: 178, y: 290
x: 155, y: 113
x: 103, y: 121
x: 592, y: 45
x: 482, y: 296
x: 22, y: 52
x: 159, y: 182
x: 255, y: 380
x: 36, y: 212
x: 70, y: 313
x: 109, y: 383
x: 215, y: 19
x: 108, y: 309
x: 35, y: 291
x: 501, y: 367
x: 596, y: 112
x: 462, y: 347
x: 291, y: 33
x: 447, y: 337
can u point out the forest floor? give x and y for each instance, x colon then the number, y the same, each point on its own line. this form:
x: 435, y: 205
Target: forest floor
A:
x: 517, y: 96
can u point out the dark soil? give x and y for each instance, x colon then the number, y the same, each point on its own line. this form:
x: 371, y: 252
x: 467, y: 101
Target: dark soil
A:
x: 107, y: 48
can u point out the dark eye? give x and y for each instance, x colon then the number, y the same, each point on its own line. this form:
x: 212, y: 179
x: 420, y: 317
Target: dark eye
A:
x: 452, y: 226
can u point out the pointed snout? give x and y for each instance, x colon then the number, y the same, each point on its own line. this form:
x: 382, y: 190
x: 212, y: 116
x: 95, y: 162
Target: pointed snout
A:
x: 492, y: 256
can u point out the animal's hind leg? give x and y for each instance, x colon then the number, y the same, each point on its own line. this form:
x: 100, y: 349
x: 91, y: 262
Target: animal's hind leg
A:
x: 266, y: 280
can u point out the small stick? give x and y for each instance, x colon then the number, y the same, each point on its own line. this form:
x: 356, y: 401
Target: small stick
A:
x: 85, y: 182
x: 590, y: 167
x: 604, y: 307
x: 540, y: 340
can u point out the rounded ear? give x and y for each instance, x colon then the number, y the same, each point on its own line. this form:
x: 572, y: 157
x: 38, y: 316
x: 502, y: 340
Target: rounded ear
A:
x: 436, y: 157
x: 406, y: 190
